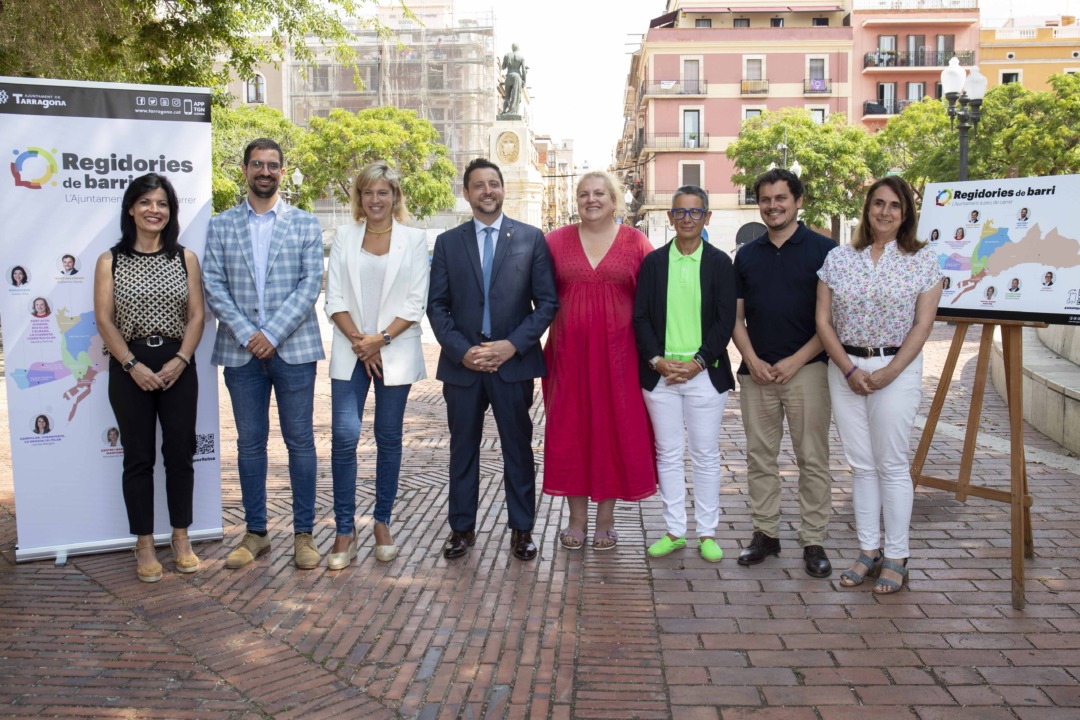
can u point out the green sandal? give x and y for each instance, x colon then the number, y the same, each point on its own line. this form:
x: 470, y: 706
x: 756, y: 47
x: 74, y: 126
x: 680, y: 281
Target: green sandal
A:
x: 665, y: 546
x: 885, y: 586
x: 850, y: 578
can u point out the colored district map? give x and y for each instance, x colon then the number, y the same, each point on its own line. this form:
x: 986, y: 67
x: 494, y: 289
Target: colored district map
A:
x: 996, y: 254
x: 81, y: 358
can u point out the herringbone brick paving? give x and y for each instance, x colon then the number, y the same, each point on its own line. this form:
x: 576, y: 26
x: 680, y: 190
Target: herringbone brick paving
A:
x: 574, y: 634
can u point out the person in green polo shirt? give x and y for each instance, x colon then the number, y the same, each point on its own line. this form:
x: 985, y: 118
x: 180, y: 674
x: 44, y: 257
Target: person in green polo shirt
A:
x: 684, y: 313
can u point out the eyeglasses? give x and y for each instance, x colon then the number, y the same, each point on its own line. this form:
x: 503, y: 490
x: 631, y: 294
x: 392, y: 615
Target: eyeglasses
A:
x: 274, y: 167
x: 694, y: 213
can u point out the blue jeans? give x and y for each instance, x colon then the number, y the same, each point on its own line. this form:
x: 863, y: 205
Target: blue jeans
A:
x: 347, y: 399
x: 294, y: 388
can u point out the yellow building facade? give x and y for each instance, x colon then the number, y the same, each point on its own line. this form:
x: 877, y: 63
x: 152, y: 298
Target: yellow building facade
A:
x: 1030, y: 55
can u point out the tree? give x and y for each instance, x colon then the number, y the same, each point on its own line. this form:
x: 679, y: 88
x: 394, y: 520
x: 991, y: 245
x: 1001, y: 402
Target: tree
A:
x: 341, y: 145
x: 1021, y: 133
x: 168, y: 42
x: 838, y: 159
x: 233, y: 129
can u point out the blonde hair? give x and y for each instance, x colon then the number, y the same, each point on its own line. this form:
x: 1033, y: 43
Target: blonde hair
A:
x: 614, y: 187
x: 374, y: 172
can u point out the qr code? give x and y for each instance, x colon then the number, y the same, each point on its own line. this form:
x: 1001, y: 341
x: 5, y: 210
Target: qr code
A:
x: 204, y: 444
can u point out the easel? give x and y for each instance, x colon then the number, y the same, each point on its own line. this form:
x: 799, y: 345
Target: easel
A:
x: 1017, y: 496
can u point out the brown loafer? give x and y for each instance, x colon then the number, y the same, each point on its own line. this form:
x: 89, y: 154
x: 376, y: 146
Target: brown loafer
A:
x: 458, y: 544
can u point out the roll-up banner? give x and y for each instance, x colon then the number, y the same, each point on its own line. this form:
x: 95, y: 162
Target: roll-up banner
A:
x: 72, y: 149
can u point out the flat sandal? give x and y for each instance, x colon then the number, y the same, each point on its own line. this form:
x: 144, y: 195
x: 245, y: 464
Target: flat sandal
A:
x: 850, y: 578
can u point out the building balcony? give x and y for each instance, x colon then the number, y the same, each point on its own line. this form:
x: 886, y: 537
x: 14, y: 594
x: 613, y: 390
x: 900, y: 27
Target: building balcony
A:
x: 916, y: 5
x: 676, y: 141
x: 817, y: 86
x: 922, y: 58
x: 885, y: 107
x: 755, y: 87
x: 673, y: 87
x: 658, y: 200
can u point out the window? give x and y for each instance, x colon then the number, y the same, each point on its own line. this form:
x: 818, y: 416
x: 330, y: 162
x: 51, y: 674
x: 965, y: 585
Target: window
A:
x: 1010, y: 77
x: 886, y: 93
x: 886, y: 43
x: 1010, y: 56
x: 818, y: 114
x: 751, y: 113
x: 256, y: 89
x: 946, y: 45
x: 691, y: 76
x: 916, y: 91
x: 742, y: 22
x: 691, y: 128
x: 703, y: 22
x: 938, y: 92
x: 820, y: 22
x: 754, y: 67
x: 691, y: 174
x: 776, y: 22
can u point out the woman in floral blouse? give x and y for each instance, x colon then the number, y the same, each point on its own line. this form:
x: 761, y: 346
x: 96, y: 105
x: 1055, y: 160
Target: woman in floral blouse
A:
x: 877, y: 299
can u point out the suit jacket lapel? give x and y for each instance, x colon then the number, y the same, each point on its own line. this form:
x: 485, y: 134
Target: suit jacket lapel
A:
x: 352, y: 264
x: 243, y: 235
x: 472, y: 251
x: 502, y: 247
x: 281, y: 231
x: 393, y: 263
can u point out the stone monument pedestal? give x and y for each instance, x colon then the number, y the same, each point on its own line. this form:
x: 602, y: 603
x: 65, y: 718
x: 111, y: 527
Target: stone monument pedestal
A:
x: 510, y: 149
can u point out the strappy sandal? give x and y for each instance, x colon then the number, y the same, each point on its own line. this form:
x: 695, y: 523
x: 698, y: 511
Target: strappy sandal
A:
x: 885, y: 586
x: 850, y: 578
x: 572, y: 539
x: 605, y: 540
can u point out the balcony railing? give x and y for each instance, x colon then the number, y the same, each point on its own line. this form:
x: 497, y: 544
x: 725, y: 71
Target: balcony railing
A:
x: 659, y: 199
x: 813, y: 86
x: 677, y: 141
x: 885, y: 107
x: 755, y: 87
x: 921, y: 58
x: 748, y: 197
x: 672, y: 87
x: 916, y: 4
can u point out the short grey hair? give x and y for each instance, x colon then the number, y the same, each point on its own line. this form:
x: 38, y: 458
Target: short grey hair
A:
x: 692, y: 190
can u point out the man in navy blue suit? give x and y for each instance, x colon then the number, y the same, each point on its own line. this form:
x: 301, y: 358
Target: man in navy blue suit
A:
x: 492, y: 296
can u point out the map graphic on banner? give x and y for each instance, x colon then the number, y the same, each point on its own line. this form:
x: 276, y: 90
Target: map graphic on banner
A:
x: 1009, y: 249
x: 80, y: 357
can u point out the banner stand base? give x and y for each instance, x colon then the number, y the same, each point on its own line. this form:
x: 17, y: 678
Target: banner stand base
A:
x: 61, y: 552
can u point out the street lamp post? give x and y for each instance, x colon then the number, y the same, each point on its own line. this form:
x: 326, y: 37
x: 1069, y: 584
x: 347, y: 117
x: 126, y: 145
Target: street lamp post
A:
x: 783, y: 148
x: 967, y: 91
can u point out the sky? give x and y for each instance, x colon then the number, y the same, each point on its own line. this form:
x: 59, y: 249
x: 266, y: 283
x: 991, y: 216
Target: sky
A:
x: 578, y: 54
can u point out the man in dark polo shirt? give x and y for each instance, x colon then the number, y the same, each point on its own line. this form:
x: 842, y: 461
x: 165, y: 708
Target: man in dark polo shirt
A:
x: 783, y: 372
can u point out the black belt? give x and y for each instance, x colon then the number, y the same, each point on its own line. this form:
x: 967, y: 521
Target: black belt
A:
x: 869, y: 352
x: 152, y: 341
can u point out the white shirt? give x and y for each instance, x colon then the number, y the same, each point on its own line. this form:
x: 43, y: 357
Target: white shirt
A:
x: 497, y: 225
x: 261, y: 229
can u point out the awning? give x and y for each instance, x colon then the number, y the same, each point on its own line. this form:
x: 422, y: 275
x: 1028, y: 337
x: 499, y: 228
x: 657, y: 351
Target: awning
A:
x: 667, y: 20
x: 758, y: 9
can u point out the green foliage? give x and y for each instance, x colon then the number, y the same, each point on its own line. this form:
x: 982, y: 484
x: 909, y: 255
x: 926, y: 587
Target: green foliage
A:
x: 338, y: 147
x: 169, y: 42
x: 233, y: 129
x: 838, y: 159
x: 1022, y: 133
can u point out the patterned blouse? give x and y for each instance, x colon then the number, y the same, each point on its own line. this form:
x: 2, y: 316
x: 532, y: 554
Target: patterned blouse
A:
x: 874, y: 306
x: 150, y: 294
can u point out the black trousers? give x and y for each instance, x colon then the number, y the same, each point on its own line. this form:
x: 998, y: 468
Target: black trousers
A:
x: 137, y: 415
x: 465, y: 407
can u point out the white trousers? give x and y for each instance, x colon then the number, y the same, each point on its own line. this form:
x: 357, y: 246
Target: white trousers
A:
x: 875, y: 431
x: 697, y: 406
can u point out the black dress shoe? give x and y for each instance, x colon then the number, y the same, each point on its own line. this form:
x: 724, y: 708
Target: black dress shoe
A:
x: 817, y: 562
x: 458, y: 544
x: 521, y: 545
x: 761, y: 546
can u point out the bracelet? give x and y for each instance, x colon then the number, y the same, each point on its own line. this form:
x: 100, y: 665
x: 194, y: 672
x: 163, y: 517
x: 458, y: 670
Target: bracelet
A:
x: 700, y: 361
x: 186, y: 361
x: 851, y: 371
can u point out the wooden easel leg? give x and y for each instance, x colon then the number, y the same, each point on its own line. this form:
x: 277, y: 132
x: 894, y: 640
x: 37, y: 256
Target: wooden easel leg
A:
x: 978, y: 392
x: 938, y: 402
x: 1012, y: 346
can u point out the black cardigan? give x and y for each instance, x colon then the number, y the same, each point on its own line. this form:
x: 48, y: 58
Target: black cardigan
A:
x: 717, y: 314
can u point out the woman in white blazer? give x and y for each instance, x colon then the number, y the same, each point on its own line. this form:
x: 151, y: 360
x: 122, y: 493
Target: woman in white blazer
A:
x: 376, y: 294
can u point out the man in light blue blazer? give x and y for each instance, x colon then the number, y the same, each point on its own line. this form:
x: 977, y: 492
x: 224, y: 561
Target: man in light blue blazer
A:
x: 263, y: 271
x: 492, y: 296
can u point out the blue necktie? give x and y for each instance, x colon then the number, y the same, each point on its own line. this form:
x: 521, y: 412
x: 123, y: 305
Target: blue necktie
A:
x: 489, y: 255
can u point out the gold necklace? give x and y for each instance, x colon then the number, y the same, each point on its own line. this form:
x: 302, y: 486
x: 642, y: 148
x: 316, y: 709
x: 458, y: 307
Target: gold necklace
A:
x: 380, y: 232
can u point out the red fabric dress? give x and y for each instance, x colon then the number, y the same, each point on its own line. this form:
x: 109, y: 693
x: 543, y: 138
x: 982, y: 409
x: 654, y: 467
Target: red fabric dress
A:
x: 597, y: 439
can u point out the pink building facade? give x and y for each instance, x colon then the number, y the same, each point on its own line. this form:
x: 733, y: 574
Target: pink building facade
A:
x: 702, y: 70
x: 901, y: 47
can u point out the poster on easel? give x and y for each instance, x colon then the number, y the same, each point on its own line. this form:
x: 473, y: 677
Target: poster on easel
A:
x: 72, y: 149
x: 1009, y: 249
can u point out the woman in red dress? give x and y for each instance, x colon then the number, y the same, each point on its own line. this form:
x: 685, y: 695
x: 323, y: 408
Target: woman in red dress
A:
x: 597, y: 440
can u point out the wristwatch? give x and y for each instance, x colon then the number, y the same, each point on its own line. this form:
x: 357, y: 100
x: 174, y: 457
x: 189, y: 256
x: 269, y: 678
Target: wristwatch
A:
x: 130, y: 364
x: 655, y: 361
x: 386, y: 337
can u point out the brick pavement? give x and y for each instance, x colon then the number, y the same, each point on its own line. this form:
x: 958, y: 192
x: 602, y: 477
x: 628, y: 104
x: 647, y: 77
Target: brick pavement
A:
x: 572, y: 635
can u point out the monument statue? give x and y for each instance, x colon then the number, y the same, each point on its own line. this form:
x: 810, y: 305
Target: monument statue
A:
x: 513, y: 65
